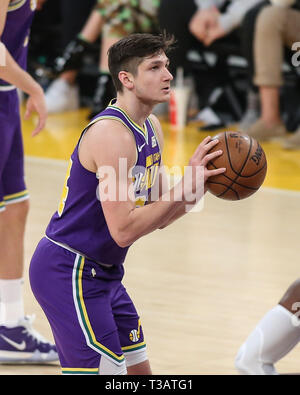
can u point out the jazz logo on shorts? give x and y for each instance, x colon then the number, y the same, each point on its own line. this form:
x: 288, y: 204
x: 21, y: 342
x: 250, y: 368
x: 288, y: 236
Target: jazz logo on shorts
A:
x: 135, y: 334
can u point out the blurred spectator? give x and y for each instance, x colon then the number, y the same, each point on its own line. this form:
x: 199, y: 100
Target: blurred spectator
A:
x: 112, y: 19
x: 278, y: 26
x: 215, y: 24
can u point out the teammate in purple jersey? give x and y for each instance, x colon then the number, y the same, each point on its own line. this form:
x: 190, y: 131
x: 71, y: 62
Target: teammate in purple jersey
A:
x: 18, y: 341
x: 114, y: 193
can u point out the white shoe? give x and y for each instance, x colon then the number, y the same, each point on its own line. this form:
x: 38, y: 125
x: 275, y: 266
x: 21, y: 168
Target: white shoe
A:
x: 208, y: 116
x: 61, y: 96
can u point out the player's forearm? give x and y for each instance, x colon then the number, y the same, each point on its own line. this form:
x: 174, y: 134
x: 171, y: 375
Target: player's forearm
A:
x: 12, y: 73
x: 170, y: 206
x: 180, y: 212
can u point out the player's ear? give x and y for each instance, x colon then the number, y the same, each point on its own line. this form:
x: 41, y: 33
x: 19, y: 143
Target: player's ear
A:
x: 127, y: 79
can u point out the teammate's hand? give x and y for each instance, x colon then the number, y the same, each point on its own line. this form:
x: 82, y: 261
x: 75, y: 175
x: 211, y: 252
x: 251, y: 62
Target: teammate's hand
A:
x: 202, y: 21
x: 36, y: 103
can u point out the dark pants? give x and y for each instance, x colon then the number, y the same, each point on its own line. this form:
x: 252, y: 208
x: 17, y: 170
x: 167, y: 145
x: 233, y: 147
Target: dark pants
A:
x: 74, y: 14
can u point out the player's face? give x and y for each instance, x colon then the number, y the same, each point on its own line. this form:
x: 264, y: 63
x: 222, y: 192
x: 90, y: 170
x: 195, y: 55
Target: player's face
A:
x: 153, y: 79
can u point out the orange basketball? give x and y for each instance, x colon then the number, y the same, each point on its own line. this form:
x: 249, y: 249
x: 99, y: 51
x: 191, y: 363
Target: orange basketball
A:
x: 246, y: 166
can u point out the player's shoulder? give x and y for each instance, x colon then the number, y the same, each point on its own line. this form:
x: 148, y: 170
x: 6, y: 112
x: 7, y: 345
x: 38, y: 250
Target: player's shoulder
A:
x: 109, y: 131
x: 105, y: 141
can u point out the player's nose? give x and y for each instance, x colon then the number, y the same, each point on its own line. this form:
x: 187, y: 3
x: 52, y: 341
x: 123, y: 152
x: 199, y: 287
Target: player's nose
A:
x: 168, y: 76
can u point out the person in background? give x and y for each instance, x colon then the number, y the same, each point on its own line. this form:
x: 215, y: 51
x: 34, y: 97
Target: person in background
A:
x: 19, y: 342
x: 112, y: 20
x: 213, y: 25
x: 277, y: 27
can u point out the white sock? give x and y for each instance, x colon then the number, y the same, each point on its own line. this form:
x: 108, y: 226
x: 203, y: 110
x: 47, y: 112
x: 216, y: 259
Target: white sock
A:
x: 275, y: 335
x: 11, y: 301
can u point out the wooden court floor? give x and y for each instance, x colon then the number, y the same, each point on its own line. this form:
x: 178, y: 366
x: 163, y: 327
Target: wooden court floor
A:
x: 200, y: 285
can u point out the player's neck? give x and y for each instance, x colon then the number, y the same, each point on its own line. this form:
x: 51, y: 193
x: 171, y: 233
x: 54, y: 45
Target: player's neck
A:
x: 137, y: 110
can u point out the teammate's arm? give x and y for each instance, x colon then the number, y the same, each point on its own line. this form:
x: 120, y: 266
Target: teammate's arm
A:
x: 107, y: 142
x: 14, y: 74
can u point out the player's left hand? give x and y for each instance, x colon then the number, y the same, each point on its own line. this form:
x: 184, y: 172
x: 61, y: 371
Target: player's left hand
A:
x: 213, y: 33
x: 36, y: 103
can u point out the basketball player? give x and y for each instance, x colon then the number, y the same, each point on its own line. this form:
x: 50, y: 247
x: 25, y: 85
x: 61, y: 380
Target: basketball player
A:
x: 76, y: 270
x: 18, y: 341
x: 277, y: 333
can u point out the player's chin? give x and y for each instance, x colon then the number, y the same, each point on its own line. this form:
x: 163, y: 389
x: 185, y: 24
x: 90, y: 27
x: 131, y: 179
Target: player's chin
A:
x: 165, y: 95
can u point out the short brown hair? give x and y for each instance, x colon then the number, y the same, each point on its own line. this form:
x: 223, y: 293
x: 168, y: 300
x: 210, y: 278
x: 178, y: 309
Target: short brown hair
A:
x: 129, y: 52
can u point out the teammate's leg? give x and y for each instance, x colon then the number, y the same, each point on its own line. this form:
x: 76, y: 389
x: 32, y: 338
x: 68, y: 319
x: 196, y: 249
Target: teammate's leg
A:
x: 12, y: 229
x: 18, y: 341
x: 276, y: 334
x: 14, y: 198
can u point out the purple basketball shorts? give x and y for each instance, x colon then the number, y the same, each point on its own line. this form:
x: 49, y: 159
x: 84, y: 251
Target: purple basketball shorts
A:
x: 89, y: 311
x: 12, y: 184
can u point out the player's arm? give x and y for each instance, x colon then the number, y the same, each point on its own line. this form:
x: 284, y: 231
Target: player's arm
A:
x: 15, y: 75
x: 106, y: 143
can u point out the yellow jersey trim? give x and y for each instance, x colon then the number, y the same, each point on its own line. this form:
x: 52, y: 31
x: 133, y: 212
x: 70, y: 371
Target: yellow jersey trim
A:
x: 15, y: 5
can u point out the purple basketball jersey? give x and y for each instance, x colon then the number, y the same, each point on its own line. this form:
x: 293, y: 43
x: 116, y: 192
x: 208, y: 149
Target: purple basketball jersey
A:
x: 15, y: 35
x: 79, y: 222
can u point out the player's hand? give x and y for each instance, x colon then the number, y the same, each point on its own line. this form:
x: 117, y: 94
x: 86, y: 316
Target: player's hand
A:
x: 39, y: 4
x: 213, y: 33
x: 202, y: 21
x: 36, y: 103
x: 202, y: 157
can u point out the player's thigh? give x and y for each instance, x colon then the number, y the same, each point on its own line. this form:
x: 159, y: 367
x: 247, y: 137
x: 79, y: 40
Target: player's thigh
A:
x: 77, y: 305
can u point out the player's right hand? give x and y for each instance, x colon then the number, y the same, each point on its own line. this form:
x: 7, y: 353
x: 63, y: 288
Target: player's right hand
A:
x: 36, y: 103
x: 202, y: 157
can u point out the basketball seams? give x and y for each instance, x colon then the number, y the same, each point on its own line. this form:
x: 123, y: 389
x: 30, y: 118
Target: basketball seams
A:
x: 236, y: 184
x: 242, y: 176
x: 242, y: 168
x: 233, y: 181
x: 228, y: 188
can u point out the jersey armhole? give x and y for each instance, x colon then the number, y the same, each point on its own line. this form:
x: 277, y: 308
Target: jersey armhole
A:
x: 99, y: 119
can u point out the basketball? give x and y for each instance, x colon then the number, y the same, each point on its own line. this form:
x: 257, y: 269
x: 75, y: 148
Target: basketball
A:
x: 245, y: 163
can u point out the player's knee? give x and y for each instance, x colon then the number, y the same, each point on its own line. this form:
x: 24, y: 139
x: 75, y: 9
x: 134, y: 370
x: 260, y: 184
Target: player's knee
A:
x: 248, y: 362
x: 291, y: 298
x: 269, y: 18
x: 108, y: 367
x: 136, y: 357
